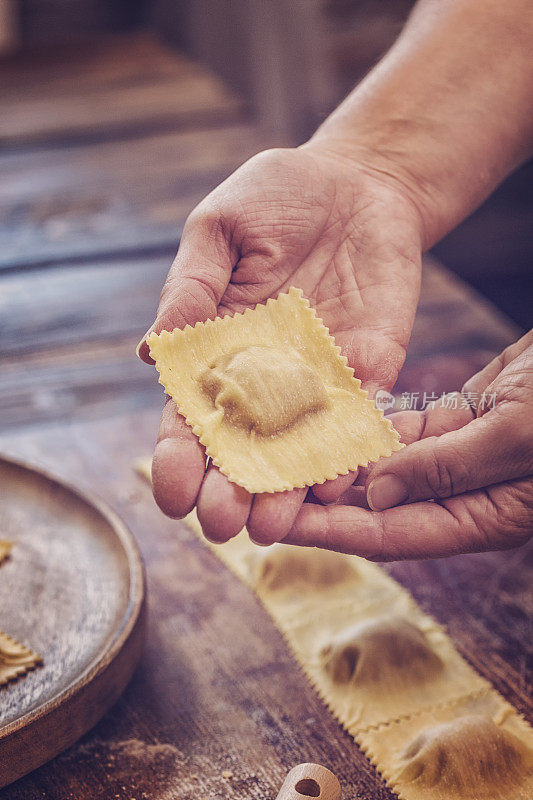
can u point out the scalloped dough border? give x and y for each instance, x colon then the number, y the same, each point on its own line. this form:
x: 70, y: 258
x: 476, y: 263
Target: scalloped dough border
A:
x: 382, y: 740
x: 319, y: 611
x: 348, y: 434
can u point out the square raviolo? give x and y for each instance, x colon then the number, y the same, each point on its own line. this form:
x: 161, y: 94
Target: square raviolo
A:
x: 270, y: 396
x: 478, y: 748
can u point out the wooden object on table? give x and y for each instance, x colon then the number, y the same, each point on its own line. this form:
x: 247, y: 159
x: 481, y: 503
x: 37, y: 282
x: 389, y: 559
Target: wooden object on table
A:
x: 73, y: 589
x: 310, y: 780
x: 217, y: 690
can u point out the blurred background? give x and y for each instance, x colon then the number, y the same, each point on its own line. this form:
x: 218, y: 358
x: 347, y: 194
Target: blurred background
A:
x: 117, y: 117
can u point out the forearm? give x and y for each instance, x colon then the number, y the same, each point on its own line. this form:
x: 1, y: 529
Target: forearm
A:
x: 448, y: 112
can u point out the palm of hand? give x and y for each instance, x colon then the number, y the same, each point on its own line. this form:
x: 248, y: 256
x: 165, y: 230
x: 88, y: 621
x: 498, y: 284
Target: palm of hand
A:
x: 291, y: 218
x: 288, y: 217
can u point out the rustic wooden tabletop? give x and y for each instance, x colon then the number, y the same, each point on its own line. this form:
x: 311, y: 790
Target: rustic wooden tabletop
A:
x: 90, y: 210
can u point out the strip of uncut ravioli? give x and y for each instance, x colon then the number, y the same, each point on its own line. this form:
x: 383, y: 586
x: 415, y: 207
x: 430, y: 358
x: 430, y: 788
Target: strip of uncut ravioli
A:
x: 490, y: 743
x: 455, y: 718
x: 270, y: 396
x: 451, y: 736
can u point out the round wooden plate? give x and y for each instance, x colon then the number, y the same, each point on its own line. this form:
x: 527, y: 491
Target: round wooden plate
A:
x: 73, y: 591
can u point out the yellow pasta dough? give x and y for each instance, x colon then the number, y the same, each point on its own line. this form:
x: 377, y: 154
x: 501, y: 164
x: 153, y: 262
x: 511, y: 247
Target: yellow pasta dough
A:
x: 324, y: 601
x: 270, y: 396
x: 15, y: 659
x: 143, y: 466
x: 379, y: 661
x: 5, y: 549
x: 432, y: 726
x: 281, y: 569
x: 389, y: 652
x: 443, y: 756
x: 475, y: 749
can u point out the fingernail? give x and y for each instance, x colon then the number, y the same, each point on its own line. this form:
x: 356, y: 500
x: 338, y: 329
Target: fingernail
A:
x: 385, y: 492
x: 142, y: 350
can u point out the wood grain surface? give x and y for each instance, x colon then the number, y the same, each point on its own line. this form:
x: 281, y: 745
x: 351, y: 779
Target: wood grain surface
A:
x: 68, y: 100
x: 73, y: 203
x: 217, y: 688
x: 73, y: 588
x: 218, y: 708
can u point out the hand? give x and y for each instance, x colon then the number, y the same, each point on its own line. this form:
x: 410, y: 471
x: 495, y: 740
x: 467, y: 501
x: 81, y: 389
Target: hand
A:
x: 344, y: 234
x: 474, y: 468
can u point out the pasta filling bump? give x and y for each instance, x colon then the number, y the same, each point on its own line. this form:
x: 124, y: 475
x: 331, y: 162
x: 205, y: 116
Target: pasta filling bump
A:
x: 271, y: 398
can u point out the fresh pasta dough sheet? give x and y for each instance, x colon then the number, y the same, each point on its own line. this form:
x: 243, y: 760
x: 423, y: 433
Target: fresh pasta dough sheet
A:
x: 270, y: 396
x: 477, y: 748
x: 431, y: 725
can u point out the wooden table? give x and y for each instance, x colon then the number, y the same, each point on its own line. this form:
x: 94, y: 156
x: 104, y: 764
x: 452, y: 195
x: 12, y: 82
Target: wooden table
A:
x: 217, y: 689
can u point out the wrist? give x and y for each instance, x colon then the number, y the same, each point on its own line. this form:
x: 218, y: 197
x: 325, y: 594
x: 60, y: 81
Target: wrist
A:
x: 382, y: 161
x: 446, y: 115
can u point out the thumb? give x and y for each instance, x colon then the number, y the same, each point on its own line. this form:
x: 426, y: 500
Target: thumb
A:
x: 197, y: 278
x: 488, y: 450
